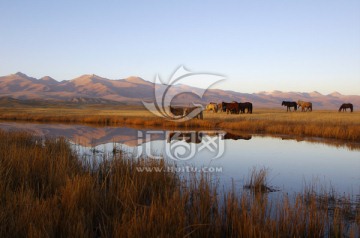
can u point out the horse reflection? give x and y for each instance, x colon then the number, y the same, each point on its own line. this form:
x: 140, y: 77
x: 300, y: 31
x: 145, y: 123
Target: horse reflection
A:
x: 188, y: 137
x: 229, y: 136
x: 197, y: 136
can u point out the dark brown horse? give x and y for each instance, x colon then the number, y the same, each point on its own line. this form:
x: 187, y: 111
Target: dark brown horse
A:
x: 177, y: 111
x: 345, y: 106
x: 232, y: 107
x: 245, y: 106
x: 289, y: 105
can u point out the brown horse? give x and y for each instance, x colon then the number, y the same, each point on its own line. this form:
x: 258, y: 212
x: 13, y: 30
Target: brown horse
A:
x: 220, y: 109
x: 305, y: 105
x: 232, y: 107
x: 344, y: 106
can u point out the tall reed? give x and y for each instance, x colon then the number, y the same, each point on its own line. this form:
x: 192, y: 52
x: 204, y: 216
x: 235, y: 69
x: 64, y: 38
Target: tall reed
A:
x: 46, y: 190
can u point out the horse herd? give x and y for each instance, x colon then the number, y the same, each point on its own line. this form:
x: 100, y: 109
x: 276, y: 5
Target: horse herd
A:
x: 307, y: 106
x: 230, y: 107
x: 245, y: 107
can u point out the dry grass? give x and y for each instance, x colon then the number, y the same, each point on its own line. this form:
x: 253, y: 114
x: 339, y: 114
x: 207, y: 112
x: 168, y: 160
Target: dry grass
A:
x: 46, y: 191
x: 325, y: 124
x: 257, y: 181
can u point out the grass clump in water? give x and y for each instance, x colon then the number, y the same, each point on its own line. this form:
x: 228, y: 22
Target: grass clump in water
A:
x: 257, y: 181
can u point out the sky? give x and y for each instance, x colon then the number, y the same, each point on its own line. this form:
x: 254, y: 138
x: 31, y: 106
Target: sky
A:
x: 287, y: 45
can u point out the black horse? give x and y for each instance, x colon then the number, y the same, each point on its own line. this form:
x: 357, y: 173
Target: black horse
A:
x: 344, y: 106
x: 289, y: 105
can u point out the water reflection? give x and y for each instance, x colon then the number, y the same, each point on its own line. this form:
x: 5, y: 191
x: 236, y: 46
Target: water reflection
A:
x: 292, y: 160
x: 332, y: 142
x: 197, y: 136
x: 93, y: 136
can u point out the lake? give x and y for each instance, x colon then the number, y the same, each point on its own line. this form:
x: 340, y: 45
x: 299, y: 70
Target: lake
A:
x: 292, y: 162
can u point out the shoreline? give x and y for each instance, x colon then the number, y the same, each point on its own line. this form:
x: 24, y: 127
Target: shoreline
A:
x: 322, y: 124
x: 351, y: 145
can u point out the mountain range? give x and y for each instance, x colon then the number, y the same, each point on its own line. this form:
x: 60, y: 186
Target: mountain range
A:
x: 93, y: 89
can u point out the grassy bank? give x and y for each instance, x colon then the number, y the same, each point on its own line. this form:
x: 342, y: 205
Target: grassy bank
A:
x: 46, y: 191
x: 325, y: 124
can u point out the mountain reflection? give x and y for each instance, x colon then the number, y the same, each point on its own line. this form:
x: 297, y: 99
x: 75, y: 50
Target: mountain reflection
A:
x: 85, y: 135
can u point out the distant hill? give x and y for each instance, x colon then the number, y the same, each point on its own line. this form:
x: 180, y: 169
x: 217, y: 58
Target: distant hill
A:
x: 93, y: 89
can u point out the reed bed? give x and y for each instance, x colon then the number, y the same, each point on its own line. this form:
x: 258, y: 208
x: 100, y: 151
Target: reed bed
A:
x: 323, y: 124
x: 46, y: 190
x: 312, y: 129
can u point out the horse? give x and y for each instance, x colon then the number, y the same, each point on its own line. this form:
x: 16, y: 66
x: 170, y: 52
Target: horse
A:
x: 199, y: 115
x: 220, y: 109
x: 344, y: 106
x: 305, y: 105
x: 232, y: 107
x: 289, y: 105
x: 185, y: 111
x: 212, y: 107
x: 245, y: 105
x: 177, y: 111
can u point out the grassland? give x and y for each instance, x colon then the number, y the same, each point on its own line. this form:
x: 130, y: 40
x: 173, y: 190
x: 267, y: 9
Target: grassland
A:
x: 325, y: 124
x: 47, y: 191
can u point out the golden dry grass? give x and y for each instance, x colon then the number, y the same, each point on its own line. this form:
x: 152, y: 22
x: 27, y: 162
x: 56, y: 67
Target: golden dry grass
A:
x: 257, y: 181
x: 46, y: 191
x: 325, y: 124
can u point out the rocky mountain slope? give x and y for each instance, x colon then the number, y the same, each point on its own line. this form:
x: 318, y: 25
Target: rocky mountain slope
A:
x: 133, y: 90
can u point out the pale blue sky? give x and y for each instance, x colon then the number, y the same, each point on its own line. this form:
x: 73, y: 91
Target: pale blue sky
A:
x: 265, y: 45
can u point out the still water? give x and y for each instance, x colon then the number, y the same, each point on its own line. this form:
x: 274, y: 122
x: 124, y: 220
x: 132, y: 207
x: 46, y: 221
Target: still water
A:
x: 228, y: 156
